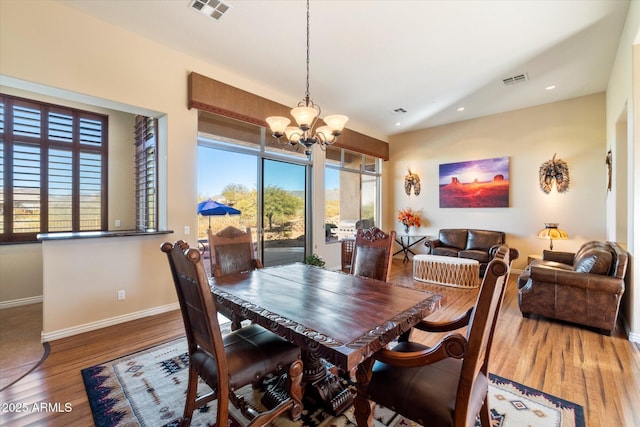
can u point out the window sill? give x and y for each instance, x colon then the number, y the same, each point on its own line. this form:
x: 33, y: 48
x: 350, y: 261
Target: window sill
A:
x: 99, y: 234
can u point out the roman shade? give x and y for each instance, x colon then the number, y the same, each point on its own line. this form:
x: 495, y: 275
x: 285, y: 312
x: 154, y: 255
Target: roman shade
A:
x: 216, y: 97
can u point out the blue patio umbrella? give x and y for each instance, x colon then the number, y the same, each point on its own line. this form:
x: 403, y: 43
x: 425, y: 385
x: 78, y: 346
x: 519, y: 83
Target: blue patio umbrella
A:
x: 211, y: 207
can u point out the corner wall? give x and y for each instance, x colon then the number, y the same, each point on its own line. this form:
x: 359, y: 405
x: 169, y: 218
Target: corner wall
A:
x: 623, y: 106
x: 574, y: 129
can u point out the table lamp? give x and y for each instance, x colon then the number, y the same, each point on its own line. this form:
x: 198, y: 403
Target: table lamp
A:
x: 551, y: 231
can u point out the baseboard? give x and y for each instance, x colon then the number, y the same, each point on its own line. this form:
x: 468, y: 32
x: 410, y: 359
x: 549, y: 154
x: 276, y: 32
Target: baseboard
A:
x: 88, y: 327
x: 20, y: 301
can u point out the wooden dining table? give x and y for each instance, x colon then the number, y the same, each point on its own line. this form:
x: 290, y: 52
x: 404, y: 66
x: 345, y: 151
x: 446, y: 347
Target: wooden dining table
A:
x: 332, y: 316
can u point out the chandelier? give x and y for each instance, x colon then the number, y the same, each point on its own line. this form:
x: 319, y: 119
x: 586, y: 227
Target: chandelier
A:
x: 306, y: 115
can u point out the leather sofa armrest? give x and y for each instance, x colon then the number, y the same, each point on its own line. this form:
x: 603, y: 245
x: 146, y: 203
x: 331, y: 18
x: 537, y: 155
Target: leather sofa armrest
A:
x: 557, y: 256
x: 432, y: 243
x: 560, y: 277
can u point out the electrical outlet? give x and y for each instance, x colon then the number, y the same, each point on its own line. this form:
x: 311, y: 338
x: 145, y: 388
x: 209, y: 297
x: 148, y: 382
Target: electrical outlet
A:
x: 187, y: 230
x: 121, y: 295
x: 117, y: 223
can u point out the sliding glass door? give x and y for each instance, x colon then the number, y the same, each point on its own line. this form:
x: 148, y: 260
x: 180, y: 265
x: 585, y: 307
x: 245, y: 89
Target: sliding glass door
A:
x: 270, y: 195
x: 283, y: 212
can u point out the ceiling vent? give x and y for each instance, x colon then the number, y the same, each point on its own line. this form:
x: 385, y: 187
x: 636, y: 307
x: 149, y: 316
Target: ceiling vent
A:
x: 520, y: 78
x: 212, y: 8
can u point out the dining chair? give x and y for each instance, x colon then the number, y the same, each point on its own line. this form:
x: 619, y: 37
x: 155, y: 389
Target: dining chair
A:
x: 231, y: 251
x: 230, y: 362
x: 372, y: 253
x: 347, y: 253
x: 443, y: 385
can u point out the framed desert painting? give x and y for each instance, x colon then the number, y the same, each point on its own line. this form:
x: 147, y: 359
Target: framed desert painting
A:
x: 475, y: 184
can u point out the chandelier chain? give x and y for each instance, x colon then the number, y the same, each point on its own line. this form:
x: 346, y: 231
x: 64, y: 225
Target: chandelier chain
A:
x: 308, y: 53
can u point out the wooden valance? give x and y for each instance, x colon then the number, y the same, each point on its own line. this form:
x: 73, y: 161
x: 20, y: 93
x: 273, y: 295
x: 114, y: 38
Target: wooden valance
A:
x: 216, y: 97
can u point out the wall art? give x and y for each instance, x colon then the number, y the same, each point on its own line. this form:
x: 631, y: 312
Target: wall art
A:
x: 475, y: 184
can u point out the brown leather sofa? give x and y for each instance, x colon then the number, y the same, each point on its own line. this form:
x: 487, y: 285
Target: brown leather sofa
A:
x: 469, y: 243
x: 583, y: 287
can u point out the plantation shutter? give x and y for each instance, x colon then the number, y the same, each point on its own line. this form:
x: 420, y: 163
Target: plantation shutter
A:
x: 53, y: 169
x: 146, y: 140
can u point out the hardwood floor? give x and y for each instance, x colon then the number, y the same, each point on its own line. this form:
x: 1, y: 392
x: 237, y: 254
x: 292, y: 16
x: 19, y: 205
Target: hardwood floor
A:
x: 600, y: 373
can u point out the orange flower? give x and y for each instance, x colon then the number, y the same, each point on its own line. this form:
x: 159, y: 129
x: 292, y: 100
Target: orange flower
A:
x: 409, y: 218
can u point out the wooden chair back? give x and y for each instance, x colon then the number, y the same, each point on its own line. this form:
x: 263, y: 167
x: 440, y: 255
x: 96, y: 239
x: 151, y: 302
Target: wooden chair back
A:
x: 347, y: 254
x: 199, y: 313
x: 231, y: 251
x: 372, y: 253
x: 480, y: 332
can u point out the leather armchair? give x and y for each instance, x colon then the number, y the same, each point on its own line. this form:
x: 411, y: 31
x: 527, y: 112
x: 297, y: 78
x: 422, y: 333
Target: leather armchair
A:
x: 583, y: 287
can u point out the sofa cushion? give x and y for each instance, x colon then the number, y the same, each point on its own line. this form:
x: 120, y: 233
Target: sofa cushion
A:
x: 483, y: 239
x: 595, y: 260
x: 589, y: 245
x: 480, y: 256
x: 453, y: 237
x: 445, y: 251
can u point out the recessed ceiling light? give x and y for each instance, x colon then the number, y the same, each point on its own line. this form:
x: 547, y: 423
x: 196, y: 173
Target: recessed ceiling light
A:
x: 461, y: 109
x: 550, y: 87
x: 397, y: 123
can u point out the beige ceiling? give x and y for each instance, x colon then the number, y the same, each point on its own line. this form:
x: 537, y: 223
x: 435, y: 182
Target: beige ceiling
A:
x: 370, y: 57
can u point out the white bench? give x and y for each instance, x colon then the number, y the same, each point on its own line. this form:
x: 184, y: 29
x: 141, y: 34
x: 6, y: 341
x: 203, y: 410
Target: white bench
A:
x: 448, y: 271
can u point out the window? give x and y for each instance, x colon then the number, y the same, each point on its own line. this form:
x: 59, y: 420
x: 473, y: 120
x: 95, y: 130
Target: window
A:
x: 53, y: 169
x: 351, y: 192
x: 146, y: 173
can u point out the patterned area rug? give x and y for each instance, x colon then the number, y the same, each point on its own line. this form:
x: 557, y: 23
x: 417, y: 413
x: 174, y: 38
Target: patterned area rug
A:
x: 147, y: 388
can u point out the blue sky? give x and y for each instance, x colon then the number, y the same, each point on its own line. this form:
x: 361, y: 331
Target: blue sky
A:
x: 482, y: 170
x: 217, y: 168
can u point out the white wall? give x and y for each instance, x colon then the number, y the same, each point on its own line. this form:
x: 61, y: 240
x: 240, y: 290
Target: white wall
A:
x: 574, y: 129
x: 623, y: 105
x: 53, y: 48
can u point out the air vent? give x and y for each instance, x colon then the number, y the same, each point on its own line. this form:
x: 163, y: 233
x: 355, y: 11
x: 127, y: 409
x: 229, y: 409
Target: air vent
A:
x: 212, y: 8
x: 515, y: 79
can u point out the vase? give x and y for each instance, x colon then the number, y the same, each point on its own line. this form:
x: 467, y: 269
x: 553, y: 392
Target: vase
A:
x: 406, y: 229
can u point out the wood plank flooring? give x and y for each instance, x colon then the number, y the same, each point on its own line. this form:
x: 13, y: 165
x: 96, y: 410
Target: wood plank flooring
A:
x: 599, y: 372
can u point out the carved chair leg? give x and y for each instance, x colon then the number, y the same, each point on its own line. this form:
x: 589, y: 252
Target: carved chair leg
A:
x: 363, y: 407
x: 190, y: 403
x: 485, y: 415
x: 295, y: 389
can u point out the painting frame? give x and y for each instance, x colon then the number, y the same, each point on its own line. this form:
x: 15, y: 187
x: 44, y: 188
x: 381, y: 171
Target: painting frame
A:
x: 482, y: 183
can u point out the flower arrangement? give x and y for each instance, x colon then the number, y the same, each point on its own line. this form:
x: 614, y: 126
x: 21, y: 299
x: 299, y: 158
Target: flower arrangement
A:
x: 409, y: 218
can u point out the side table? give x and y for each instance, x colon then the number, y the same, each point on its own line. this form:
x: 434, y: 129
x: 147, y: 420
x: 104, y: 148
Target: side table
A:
x: 531, y: 257
x: 404, y: 240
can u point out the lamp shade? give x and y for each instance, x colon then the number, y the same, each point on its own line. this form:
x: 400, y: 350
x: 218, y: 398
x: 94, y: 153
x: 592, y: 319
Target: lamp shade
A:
x: 278, y: 124
x: 336, y: 122
x: 551, y: 232
x: 304, y: 116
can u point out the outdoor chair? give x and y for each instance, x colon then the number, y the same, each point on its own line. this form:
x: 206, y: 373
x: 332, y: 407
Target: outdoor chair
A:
x: 228, y: 363
x: 443, y: 385
x: 372, y: 253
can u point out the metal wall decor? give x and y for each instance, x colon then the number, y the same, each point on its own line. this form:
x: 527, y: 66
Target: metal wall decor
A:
x: 609, y: 162
x: 554, y: 170
x: 412, y: 180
